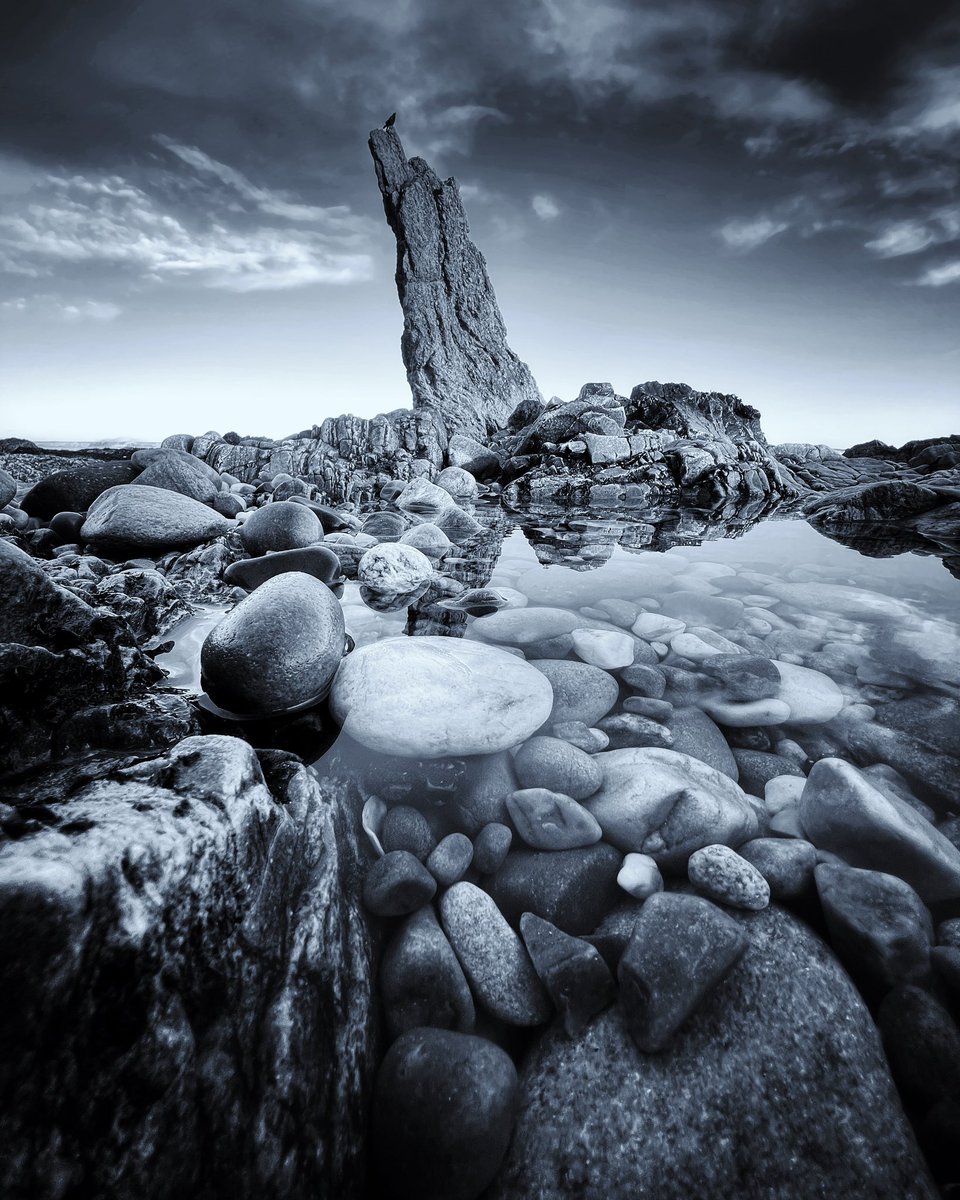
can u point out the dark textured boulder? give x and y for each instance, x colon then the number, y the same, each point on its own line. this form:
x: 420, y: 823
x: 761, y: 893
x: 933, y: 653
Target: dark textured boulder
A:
x: 187, y: 979
x: 442, y: 1115
x: 76, y: 488
x: 135, y: 519
x: 57, y: 653
x: 454, y: 342
x: 794, y: 1104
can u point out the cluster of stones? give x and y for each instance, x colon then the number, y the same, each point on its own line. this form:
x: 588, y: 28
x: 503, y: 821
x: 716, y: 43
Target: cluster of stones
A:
x: 641, y: 773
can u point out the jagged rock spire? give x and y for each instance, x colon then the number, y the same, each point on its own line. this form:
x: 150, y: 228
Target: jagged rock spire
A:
x: 454, y: 342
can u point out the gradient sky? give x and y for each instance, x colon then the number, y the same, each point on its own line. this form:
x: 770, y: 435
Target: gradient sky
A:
x: 747, y: 196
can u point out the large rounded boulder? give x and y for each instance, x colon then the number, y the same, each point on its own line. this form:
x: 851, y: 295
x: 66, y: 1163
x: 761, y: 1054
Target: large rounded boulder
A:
x: 149, y: 520
x: 76, y: 488
x: 776, y: 1086
x: 429, y: 697
x: 277, y: 650
x: 281, y: 525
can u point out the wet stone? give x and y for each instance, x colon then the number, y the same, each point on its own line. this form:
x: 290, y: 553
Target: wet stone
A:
x: 787, y: 864
x: 647, y: 680
x: 490, y: 847
x: 548, y: 820
x: 406, y: 828
x: 630, y: 729
x: 548, y: 762
x: 421, y: 981
x: 493, y: 957
x: 577, y: 734
x: 576, y: 978
x: 398, y: 884
x: 680, y: 949
x: 879, y: 926
x: 450, y: 859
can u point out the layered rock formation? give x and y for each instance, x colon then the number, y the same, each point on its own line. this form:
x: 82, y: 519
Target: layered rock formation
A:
x: 187, y: 981
x: 454, y: 342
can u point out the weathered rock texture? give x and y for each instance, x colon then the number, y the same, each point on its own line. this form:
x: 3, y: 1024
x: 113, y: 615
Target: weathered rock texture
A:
x: 666, y: 443
x: 187, y: 983
x: 454, y: 342
x: 776, y: 1087
x: 58, y: 653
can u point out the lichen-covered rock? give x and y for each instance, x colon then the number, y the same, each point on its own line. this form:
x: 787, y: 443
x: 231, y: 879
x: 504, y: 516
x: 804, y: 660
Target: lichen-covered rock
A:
x: 454, y: 343
x: 187, y: 978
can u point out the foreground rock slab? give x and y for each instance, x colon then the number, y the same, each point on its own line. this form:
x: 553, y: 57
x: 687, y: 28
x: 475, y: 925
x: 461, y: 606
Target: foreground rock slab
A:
x: 795, y: 1103
x: 187, y: 979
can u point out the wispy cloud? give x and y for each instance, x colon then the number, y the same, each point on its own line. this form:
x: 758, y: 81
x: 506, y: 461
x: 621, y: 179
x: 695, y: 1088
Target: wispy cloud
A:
x: 132, y: 230
x: 58, y: 309
x: 948, y: 272
x: 750, y: 235
x: 545, y: 207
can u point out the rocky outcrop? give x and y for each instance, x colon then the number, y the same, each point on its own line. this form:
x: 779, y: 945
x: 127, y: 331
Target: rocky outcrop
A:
x: 454, y: 342
x: 345, y: 457
x: 57, y: 655
x: 187, y: 981
x: 664, y: 444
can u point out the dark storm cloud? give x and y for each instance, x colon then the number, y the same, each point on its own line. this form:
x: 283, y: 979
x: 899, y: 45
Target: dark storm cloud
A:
x: 830, y: 115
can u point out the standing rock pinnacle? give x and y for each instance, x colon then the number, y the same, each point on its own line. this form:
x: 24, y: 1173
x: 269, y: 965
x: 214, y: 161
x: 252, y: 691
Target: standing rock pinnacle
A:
x: 454, y: 342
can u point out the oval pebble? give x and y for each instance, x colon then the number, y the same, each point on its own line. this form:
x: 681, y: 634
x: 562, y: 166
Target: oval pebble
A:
x: 721, y: 874
x: 552, y: 821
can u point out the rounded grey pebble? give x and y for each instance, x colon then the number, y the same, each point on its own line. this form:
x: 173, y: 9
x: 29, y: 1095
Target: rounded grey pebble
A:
x: 490, y: 847
x: 721, y: 874
x: 406, y: 828
x: 398, y: 884
x: 450, y: 858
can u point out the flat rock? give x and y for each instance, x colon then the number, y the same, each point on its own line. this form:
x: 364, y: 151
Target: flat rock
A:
x: 149, y: 520
x: 811, y: 696
x: 520, y: 626
x: 319, y: 561
x: 807, y: 1108
x: 430, y: 697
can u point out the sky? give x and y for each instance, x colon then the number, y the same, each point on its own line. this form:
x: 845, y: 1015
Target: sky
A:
x: 744, y: 195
